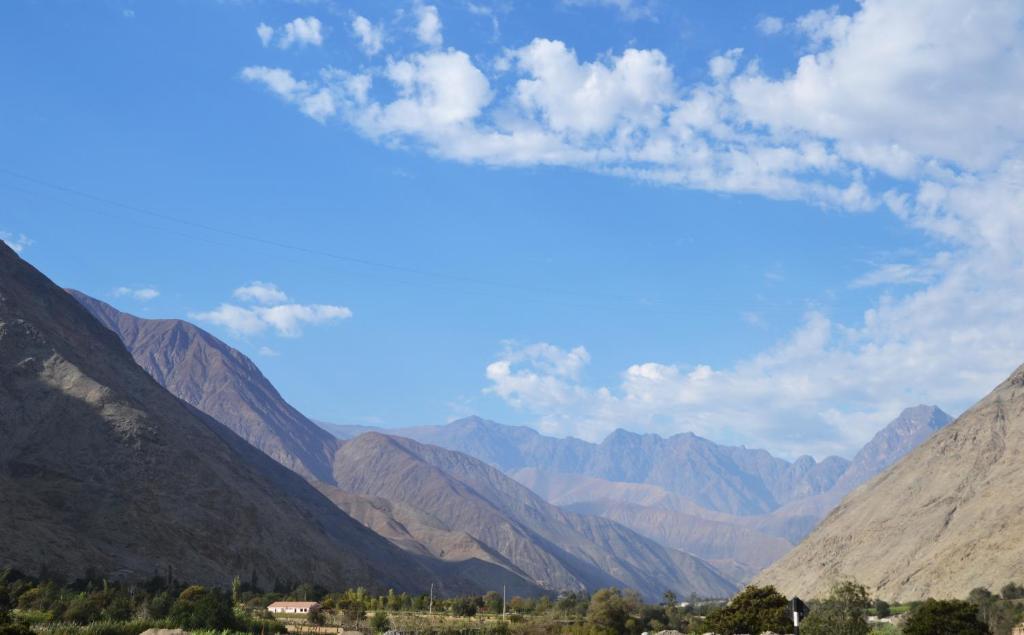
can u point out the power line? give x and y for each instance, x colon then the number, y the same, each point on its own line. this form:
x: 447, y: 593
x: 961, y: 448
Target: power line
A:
x: 288, y: 246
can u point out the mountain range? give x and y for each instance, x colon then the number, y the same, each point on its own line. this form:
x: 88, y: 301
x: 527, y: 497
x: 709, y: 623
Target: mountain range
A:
x: 426, y: 500
x: 738, y: 508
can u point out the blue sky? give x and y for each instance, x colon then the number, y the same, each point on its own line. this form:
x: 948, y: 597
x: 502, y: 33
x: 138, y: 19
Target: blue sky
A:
x: 661, y: 216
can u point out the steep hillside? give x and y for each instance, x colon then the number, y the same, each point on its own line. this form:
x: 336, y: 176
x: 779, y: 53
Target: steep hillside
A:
x: 102, y: 469
x: 939, y: 523
x: 558, y: 549
x: 222, y: 382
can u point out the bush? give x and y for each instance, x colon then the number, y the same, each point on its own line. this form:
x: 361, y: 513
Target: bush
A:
x: 464, y: 607
x: 1012, y: 591
x: 845, y: 612
x: 945, y: 617
x: 198, y: 607
x: 380, y: 622
x: 754, y: 610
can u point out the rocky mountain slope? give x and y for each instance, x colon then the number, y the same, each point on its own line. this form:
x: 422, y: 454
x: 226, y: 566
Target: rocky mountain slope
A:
x: 103, y: 470
x: 437, y: 511
x: 559, y: 549
x: 942, y: 521
x: 222, y: 382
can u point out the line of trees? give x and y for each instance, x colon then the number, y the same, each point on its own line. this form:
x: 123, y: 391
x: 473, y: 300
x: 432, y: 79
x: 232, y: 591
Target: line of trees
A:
x: 98, y: 607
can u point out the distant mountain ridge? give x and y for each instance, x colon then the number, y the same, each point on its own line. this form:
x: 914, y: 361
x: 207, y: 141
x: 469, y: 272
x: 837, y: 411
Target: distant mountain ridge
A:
x: 733, y: 480
x: 447, y: 518
x: 738, y: 508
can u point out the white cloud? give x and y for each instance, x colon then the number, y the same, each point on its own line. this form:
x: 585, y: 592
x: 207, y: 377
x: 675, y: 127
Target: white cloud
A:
x: 265, y: 33
x: 371, y: 38
x: 139, y: 293
x: 301, y: 31
x: 318, y: 104
x: 428, y: 24
x: 260, y: 293
x: 269, y: 310
x: 17, y: 242
x: 910, y: 106
x: 770, y: 25
x: 266, y: 351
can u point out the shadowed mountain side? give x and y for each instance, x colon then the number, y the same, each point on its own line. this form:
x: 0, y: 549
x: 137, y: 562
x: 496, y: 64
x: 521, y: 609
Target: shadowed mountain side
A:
x: 416, y: 532
x: 102, y: 469
x: 939, y: 523
x: 558, y: 549
x: 222, y: 382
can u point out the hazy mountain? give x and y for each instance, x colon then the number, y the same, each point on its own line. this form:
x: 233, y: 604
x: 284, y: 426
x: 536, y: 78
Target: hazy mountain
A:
x: 912, y: 428
x: 738, y: 508
x: 559, y: 549
x: 940, y: 522
x: 433, y: 513
x: 102, y: 469
x: 735, y: 480
x: 222, y: 382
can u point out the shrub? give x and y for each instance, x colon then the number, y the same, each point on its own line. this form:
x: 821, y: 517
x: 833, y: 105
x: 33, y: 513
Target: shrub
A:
x: 754, y: 610
x: 845, y: 612
x: 380, y: 622
x: 945, y: 617
x: 198, y: 607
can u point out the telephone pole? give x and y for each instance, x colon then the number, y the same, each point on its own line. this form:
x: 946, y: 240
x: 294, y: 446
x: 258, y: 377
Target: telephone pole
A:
x: 503, y: 603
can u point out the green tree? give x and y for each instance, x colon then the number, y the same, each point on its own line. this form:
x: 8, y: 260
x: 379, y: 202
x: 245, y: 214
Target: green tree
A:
x: 201, y: 608
x: 945, y: 617
x: 236, y: 590
x: 754, y: 610
x: 1012, y: 591
x: 985, y: 602
x: 845, y: 612
x: 492, y: 602
x: 464, y: 607
x: 611, y: 609
x: 380, y: 622
x: 882, y: 608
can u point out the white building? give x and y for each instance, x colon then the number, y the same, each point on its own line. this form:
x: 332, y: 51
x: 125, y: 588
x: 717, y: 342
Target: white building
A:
x: 294, y: 607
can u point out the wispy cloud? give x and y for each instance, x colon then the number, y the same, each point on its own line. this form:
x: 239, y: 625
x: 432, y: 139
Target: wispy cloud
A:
x: 17, y: 242
x: 371, y: 37
x: 428, y: 24
x: 139, y: 293
x: 300, y: 31
x: 268, y: 310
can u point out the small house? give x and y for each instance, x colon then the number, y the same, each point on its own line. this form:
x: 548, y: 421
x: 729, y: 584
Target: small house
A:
x: 295, y: 608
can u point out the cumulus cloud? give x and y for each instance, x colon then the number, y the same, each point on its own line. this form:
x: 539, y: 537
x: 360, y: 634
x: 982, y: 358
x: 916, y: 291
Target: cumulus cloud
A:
x: 900, y: 106
x: 269, y: 310
x: 17, y: 242
x: 371, y: 38
x: 428, y: 24
x: 265, y: 33
x: 770, y: 25
x: 139, y: 293
x: 299, y: 32
x: 260, y: 293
